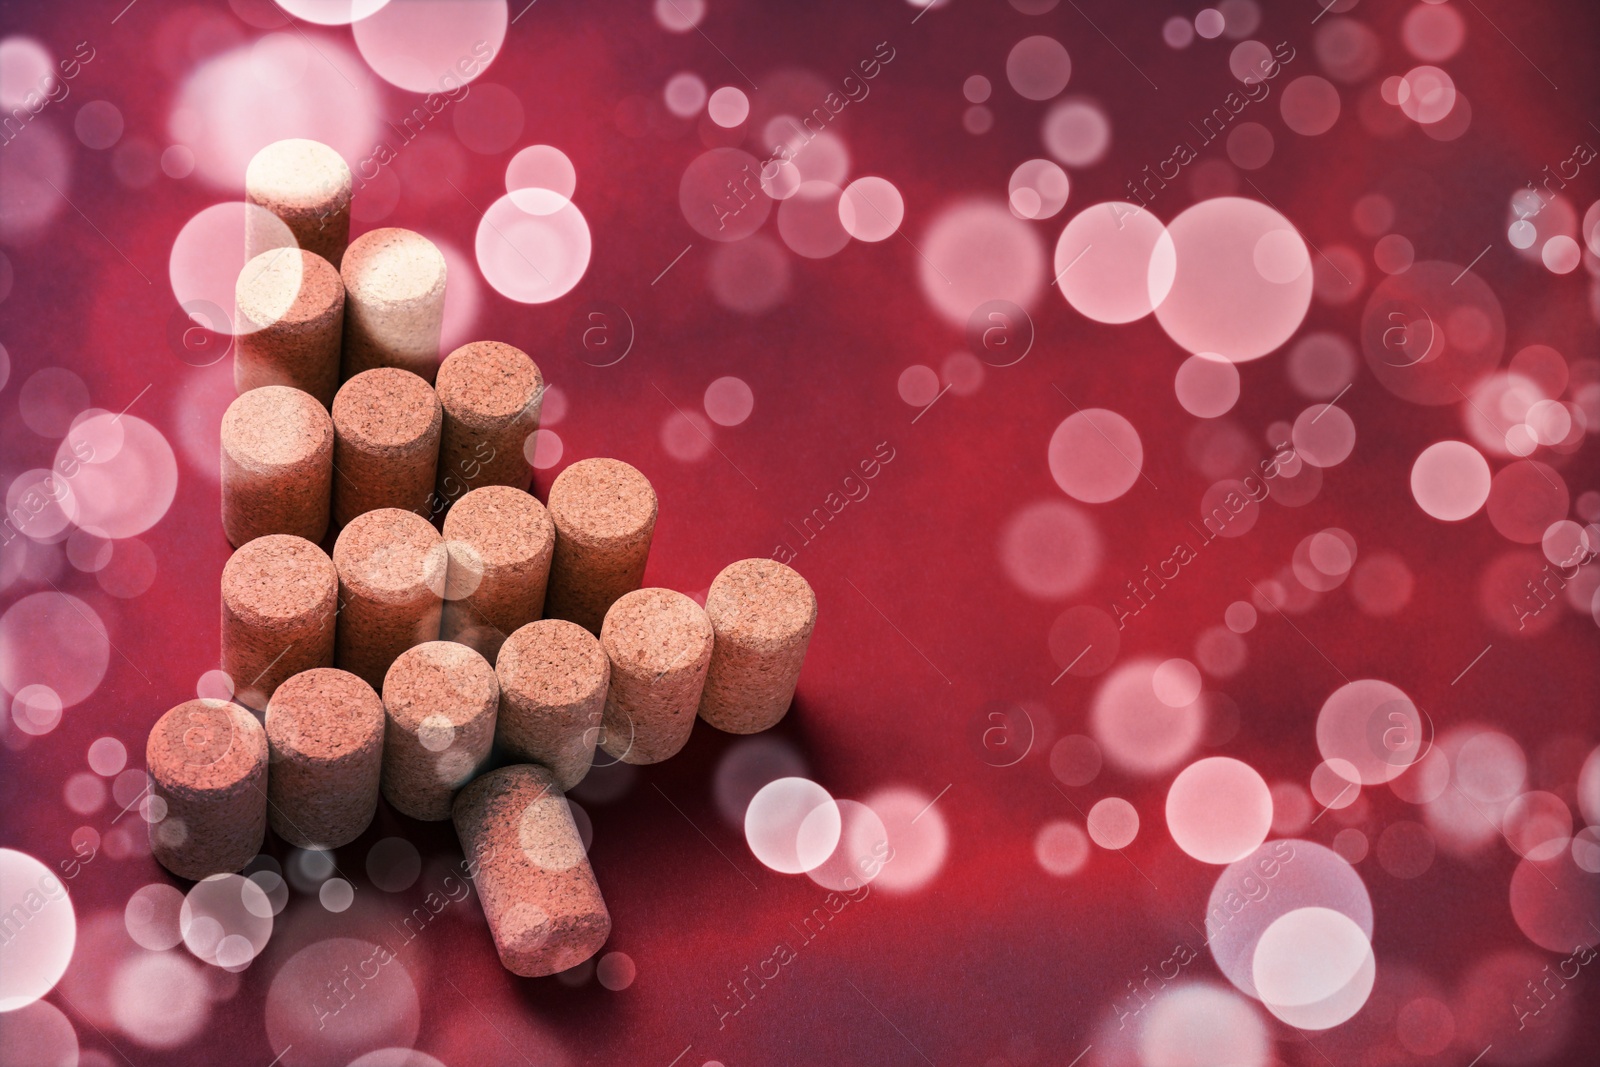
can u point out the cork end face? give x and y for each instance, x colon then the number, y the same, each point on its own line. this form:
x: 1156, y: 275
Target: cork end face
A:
x: 289, y: 288
x: 204, y: 747
x: 387, y: 410
x: 438, y: 687
x: 553, y: 663
x: 504, y: 527
x: 487, y: 384
x: 274, y: 427
x: 298, y: 175
x: 602, y: 500
x: 391, y: 555
x: 393, y: 266
x: 656, y: 631
x: 279, y: 578
x: 761, y: 602
x: 322, y: 715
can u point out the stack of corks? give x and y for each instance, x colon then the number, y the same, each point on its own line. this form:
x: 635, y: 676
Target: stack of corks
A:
x: 458, y: 624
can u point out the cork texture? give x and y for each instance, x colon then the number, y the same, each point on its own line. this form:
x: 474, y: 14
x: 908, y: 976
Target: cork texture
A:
x: 440, y: 701
x: 279, y: 601
x: 394, y: 303
x: 207, y: 761
x: 290, y: 321
x: 659, y: 644
x: 391, y: 566
x: 533, y: 878
x: 553, y: 681
x: 277, y: 465
x: 501, y: 541
x: 762, y: 614
x: 325, y: 738
x: 604, y: 513
x: 308, y: 186
x: 491, y: 393
x: 386, y: 425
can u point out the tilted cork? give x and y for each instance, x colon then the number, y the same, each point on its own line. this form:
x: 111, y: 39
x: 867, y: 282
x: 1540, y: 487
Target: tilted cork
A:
x: 393, y: 304
x: 659, y: 643
x: 500, y: 541
x: 440, y: 700
x: 553, y: 680
x: 325, y: 736
x: 277, y: 465
x: 279, y: 602
x: 391, y: 566
x: 532, y: 875
x: 207, y: 761
x: 386, y: 426
x: 491, y: 394
x: 762, y: 614
x: 308, y: 186
x: 605, y: 513
x: 290, y: 321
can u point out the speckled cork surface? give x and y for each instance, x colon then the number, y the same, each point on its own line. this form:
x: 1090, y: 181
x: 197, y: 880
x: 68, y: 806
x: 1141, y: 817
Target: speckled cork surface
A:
x: 553, y: 680
x: 279, y: 601
x: 207, y: 761
x: 605, y: 513
x: 500, y: 541
x: 391, y: 566
x: 277, y: 465
x: 290, y: 305
x: 440, y: 700
x: 762, y: 614
x: 533, y: 877
x: 307, y: 185
x: 659, y: 643
x: 386, y: 425
x: 325, y: 737
x: 394, y: 302
x: 491, y: 394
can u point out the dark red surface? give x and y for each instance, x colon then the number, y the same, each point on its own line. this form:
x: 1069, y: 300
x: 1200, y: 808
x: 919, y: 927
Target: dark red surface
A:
x: 920, y: 632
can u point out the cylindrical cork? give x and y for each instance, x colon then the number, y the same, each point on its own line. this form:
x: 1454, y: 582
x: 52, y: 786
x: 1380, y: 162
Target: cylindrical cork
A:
x: 207, y: 761
x: 762, y: 614
x: 500, y: 541
x: 325, y: 735
x: 659, y: 643
x: 277, y: 465
x: 386, y: 443
x: 491, y: 394
x: 394, y: 303
x: 391, y: 567
x: 290, y: 322
x: 605, y: 514
x: 280, y: 596
x: 553, y: 680
x: 533, y: 876
x: 307, y: 185
x: 441, y: 701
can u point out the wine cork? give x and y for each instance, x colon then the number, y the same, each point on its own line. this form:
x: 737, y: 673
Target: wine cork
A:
x: 207, y: 761
x: 279, y: 600
x: 391, y: 566
x: 307, y: 185
x: 491, y: 394
x: 325, y: 737
x: 440, y: 700
x: 277, y: 465
x: 393, y: 304
x: 604, y: 512
x: 762, y: 614
x: 533, y: 877
x: 659, y: 643
x: 290, y: 305
x: 385, y: 443
x: 500, y: 541
x: 553, y: 680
